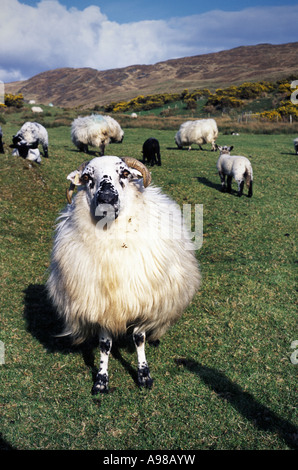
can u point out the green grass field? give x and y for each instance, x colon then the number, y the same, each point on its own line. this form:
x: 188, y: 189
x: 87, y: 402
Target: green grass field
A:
x: 223, y: 375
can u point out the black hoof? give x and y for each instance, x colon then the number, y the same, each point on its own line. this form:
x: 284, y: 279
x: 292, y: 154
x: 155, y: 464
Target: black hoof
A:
x: 144, y: 378
x: 100, y: 384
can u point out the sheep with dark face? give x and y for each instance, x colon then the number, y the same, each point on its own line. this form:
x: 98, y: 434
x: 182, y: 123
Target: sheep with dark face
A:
x: 296, y: 145
x: 151, y: 152
x: 32, y: 132
x: 27, y: 151
x: 234, y: 166
x: 96, y: 131
x: 122, y: 259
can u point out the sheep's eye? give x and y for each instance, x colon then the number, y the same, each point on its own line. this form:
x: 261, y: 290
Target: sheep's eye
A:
x: 85, y: 178
x: 125, y: 174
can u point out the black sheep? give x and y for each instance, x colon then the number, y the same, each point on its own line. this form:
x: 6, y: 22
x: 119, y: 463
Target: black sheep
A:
x: 151, y: 152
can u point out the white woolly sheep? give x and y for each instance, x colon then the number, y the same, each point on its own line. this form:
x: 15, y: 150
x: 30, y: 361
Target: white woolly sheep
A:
x: 1, y: 142
x: 151, y: 152
x: 36, y: 109
x: 296, y: 145
x: 234, y: 166
x: 95, y: 130
x: 122, y: 260
x: 200, y: 132
x: 27, y: 151
x: 32, y: 132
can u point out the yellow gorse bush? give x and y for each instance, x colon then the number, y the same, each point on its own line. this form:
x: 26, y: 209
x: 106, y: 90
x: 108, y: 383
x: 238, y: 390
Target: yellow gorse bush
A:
x: 13, y: 100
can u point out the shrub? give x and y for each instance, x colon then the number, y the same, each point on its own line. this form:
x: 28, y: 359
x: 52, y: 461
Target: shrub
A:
x: 250, y: 90
x: 272, y: 115
x: 220, y: 102
x: 13, y: 100
x: 288, y: 109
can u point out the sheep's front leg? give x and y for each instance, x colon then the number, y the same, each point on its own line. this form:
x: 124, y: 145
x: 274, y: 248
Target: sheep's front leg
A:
x: 144, y: 378
x: 223, y: 181
x: 102, y: 149
x: 240, y: 188
x: 102, y: 378
x: 250, y: 190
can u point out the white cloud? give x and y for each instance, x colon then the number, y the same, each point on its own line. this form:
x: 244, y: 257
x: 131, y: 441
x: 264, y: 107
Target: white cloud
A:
x: 35, y: 39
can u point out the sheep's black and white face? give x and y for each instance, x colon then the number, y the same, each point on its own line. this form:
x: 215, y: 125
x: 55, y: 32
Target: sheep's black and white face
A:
x: 225, y: 150
x: 22, y: 146
x: 16, y: 139
x: 104, y: 179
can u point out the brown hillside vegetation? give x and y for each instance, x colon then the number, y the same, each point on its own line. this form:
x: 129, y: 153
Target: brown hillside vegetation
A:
x: 86, y: 87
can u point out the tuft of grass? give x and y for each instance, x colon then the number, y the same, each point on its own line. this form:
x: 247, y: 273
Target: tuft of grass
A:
x: 223, y: 378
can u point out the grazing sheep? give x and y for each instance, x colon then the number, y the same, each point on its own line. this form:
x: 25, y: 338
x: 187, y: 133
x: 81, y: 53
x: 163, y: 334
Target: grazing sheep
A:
x: 27, y: 151
x: 122, y: 260
x: 234, y: 166
x: 1, y: 143
x: 200, y: 132
x: 95, y: 130
x: 32, y: 132
x: 151, y: 152
x: 296, y: 145
x: 36, y: 109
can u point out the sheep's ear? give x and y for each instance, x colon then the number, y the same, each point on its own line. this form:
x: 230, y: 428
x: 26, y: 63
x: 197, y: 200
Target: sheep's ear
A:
x: 74, y: 177
x: 231, y: 148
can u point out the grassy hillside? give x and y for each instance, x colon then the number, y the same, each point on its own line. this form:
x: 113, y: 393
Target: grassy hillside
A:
x: 87, y: 87
x: 223, y: 377
x: 252, y: 107
x: 264, y: 100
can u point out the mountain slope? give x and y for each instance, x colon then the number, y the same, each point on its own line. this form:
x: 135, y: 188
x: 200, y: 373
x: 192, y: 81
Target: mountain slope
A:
x: 86, y: 87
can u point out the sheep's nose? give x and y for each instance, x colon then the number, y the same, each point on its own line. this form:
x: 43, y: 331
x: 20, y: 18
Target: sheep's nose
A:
x: 107, y: 194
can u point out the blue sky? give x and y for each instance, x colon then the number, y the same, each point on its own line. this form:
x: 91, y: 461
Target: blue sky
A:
x: 36, y: 36
x: 124, y: 11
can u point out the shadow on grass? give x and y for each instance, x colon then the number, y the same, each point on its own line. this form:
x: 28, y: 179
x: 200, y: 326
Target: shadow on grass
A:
x: 261, y: 416
x: 186, y: 149
x: 4, y: 445
x: 210, y: 184
x: 85, y: 155
x: 44, y: 324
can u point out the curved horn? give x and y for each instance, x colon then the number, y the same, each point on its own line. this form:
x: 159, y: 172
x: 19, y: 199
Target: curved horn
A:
x: 137, y: 165
x: 70, y: 190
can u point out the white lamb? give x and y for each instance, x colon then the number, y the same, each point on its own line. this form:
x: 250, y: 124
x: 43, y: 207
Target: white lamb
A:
x: 33, y: 132
x: 234, y: 166
x: 200, y: 132
x: 122, y: 260
x: 95, y: 130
